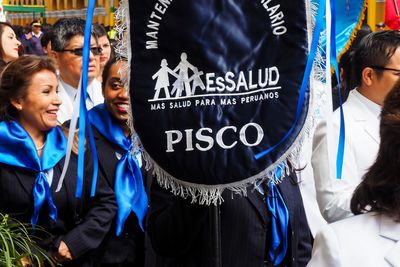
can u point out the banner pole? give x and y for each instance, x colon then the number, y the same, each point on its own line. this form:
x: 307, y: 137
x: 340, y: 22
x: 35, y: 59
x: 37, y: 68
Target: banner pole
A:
x: 215, y: 234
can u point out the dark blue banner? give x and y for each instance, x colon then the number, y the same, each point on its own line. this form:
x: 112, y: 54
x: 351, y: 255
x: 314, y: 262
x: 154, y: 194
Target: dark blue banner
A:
x: 215, y: 82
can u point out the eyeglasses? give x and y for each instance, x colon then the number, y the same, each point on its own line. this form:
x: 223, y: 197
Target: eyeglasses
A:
x: 383, y: 68
x: 79, y: 51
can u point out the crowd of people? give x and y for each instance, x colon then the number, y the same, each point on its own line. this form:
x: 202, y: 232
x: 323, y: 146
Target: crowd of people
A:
x: 133, y: 221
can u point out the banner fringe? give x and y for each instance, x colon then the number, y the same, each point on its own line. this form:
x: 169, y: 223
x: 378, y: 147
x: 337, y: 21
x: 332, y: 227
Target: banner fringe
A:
x: 123, y: 50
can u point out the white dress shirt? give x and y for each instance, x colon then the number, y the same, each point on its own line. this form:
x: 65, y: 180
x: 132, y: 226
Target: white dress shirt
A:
x: 67, y: 93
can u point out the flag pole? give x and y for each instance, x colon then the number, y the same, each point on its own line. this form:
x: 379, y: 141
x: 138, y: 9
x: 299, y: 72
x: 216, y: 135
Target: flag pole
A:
x: 215, y: 234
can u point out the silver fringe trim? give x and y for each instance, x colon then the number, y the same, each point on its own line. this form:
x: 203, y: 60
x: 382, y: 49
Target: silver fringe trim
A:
x: 123, y: 50
x: 212, y: 194
x: 122, y: 47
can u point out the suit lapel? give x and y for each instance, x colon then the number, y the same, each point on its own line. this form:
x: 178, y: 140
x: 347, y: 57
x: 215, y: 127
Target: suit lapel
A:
x: 256, y: 199
x: 107, y: 158
x: 362, y: 115
x: 393, y: 255
x: 286, y: 189
x: 372, y: 129
x: 26, y: 179
x: 67, y: 192
x: 391, y: 230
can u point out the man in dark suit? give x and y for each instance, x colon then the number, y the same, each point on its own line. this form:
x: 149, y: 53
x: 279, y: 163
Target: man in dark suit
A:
x: 180, y: 231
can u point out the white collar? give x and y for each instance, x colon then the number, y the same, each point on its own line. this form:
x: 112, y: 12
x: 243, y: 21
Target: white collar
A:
x: 70, y: 90
x: 93, y: 90
x: 37, y: 35
x: 370, y: 105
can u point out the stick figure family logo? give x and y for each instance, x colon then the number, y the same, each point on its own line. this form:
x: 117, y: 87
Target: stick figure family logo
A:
x: 182, y: 84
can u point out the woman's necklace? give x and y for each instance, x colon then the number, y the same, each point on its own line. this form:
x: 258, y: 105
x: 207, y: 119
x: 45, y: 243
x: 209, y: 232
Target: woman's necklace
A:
x: 41, y: 147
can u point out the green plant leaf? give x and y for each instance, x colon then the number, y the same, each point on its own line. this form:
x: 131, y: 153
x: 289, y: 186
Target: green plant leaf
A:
x: 17, y: 242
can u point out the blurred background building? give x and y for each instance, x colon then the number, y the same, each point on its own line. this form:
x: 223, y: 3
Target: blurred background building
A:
x: 23, y: 12
x: 375, y: 12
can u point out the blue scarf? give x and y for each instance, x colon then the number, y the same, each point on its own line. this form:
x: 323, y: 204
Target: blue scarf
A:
x: 279, y: 225
x: 17, y: 149
x: 128, y: 186
x: 279, y: 220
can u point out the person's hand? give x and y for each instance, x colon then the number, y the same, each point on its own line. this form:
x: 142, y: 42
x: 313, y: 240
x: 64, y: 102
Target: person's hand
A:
x: 63, y: 253
x: 28, y: 35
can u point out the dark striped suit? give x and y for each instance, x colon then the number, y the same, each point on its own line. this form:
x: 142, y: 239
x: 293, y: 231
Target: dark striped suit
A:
x: 81, y: 223
x: 180, y: 232
x: 128, y: 248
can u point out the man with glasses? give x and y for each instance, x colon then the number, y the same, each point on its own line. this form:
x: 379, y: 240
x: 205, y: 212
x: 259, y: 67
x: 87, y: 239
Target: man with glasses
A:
x: 376, y: 68
x: 67, y: 45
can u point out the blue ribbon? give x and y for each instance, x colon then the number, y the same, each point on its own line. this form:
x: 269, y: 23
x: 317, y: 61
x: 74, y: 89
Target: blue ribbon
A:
x: 18, y: 149
x: 306, y: 77
x: 41, y: 193
x: 334, y: 62
x: 83, y: 118
x: 129, y: 187
x: 279, y: 221
x: 279, y: 225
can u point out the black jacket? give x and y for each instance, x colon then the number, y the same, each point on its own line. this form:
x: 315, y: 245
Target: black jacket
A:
x: 180, y: 232
x: 81, y: 223
x: 129, y: 246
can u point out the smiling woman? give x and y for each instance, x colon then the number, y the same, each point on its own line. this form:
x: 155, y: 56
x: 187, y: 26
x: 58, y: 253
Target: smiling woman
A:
x: 37, y: 108
x: 124, y: 244
x: 31, y: 99
x: 32, y: 151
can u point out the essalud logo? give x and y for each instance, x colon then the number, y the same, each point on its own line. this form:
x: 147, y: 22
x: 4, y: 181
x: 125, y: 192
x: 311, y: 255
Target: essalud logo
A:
x: 188, y: 79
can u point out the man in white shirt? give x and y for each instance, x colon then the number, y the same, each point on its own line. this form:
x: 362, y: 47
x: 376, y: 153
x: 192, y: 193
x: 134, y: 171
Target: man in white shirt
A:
x: 376, y: 66
x: 67, y: 44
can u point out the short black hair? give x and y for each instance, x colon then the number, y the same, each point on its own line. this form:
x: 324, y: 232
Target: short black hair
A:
x: 375, y: 49
x: 380, y: 25
x: 99, y: 30
x: 46, y: 38
x: 65, y: 29
x: 107, y: 67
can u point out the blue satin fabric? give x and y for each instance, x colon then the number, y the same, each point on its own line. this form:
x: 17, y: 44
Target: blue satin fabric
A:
x: 348, y: 14
x: 279, y: 222
x: 129, y: 187
x: 334, y: 43
x: 279, y: 225
x: 83, y: 111
x: 17, y: 149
